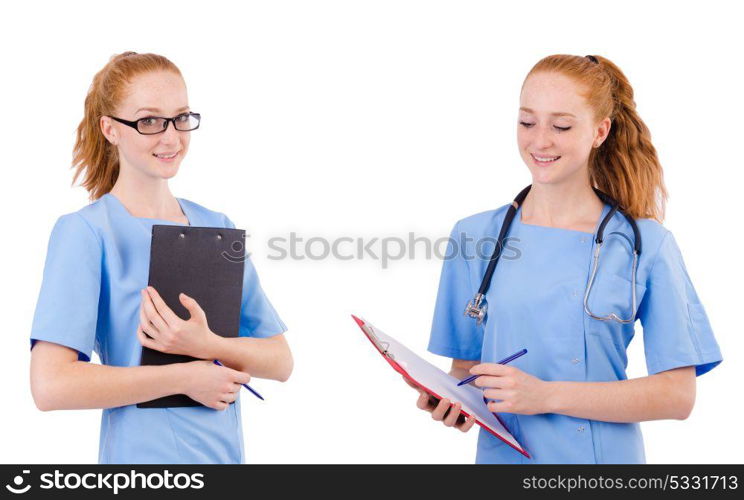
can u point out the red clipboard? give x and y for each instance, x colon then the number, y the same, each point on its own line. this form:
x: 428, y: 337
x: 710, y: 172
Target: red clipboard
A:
x: 382, y: 342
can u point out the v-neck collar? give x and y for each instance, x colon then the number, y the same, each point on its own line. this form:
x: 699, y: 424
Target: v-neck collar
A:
x: 184, y: 209
x: 605, y: 211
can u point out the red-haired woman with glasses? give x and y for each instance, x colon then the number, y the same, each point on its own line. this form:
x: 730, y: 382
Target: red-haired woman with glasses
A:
x: 94, y: 295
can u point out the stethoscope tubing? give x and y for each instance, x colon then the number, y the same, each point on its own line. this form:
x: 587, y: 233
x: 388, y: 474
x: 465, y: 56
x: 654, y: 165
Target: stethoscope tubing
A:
x: 476, y: 308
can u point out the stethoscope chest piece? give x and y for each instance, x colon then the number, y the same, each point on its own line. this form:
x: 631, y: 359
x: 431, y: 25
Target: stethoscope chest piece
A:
x: 476, y: 308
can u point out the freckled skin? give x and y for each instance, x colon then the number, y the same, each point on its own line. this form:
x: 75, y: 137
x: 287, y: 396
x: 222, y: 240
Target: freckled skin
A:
x: 546, y: 93
x: 165, y: 91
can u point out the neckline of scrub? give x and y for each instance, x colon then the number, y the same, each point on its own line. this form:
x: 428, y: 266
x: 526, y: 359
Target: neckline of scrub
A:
x: 154, y: 219
x: 605, y: 209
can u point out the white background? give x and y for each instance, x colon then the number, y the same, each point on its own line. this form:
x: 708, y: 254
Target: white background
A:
x: 366, y: 119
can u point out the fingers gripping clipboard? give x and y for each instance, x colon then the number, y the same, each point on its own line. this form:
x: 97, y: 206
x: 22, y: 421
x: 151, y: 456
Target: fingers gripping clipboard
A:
x: 437, y: 383
x: 201, y: 263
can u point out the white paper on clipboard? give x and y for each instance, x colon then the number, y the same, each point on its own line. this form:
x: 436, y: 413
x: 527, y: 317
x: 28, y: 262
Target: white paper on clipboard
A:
x: 438, y: 383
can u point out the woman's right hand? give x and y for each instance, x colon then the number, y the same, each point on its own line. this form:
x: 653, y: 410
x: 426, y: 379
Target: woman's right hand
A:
x: 442, y: 410
x: 212, y: 385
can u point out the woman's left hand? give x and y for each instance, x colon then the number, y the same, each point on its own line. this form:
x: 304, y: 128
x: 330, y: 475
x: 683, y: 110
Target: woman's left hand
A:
x: 170, y: 333
x: 518, y: 392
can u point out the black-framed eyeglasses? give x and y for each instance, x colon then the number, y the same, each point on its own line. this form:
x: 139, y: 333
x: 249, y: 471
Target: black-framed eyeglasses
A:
x: 151, y: 125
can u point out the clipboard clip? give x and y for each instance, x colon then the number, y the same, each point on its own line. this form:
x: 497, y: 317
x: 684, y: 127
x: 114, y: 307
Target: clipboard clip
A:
x: 381, y: 345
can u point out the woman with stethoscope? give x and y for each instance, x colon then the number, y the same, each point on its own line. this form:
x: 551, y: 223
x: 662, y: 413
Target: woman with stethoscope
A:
x: 94, y: 295
x: 580, y: 255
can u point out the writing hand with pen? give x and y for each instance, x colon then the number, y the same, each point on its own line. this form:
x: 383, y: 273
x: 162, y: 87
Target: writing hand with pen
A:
x: 511, y: 390
x: 508, y: 388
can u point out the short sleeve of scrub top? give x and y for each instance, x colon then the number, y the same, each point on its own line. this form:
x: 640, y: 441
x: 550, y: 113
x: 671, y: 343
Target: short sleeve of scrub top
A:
x: 676, y: 329
x: 257, y: 316
x: 97, y: 263
x: 453, y: 334
x: 67, y: 308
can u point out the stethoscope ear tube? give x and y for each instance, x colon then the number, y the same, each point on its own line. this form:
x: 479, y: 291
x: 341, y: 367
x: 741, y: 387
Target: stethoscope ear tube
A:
x: 590, y: 284
x: 616, y: 208
x: 510, y: 213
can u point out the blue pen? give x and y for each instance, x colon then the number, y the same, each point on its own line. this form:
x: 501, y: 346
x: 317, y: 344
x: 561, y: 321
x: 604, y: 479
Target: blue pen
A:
x: 244, y: 385
x: 502, y: 362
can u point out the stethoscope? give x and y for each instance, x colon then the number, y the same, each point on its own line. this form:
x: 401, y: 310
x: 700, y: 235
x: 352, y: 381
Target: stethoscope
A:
x: 476, y: 308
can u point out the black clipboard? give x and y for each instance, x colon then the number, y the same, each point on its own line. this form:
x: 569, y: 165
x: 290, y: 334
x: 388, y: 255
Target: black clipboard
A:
x: 205, y: 263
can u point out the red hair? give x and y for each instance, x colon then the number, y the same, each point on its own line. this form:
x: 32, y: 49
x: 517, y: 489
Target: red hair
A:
x: 93, y: 155
x: 625, y: 166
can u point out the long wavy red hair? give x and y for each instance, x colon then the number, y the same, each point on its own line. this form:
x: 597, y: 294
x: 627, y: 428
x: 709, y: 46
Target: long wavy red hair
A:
x: 625, y: 166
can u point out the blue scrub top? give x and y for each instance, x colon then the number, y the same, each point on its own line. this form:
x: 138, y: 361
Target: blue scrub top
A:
x: 97, y: 262
x: 536, y: 301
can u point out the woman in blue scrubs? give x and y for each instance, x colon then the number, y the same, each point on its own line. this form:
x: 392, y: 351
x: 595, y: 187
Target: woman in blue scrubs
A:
x: 568, y: 400
x: 94, y: 295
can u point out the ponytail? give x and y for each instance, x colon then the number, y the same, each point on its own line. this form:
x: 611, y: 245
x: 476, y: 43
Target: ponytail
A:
x: 625, y: 166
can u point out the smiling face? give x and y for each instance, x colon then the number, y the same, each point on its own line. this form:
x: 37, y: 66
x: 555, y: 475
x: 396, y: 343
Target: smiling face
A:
x: 157, y: 93
x: 557, y: 129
